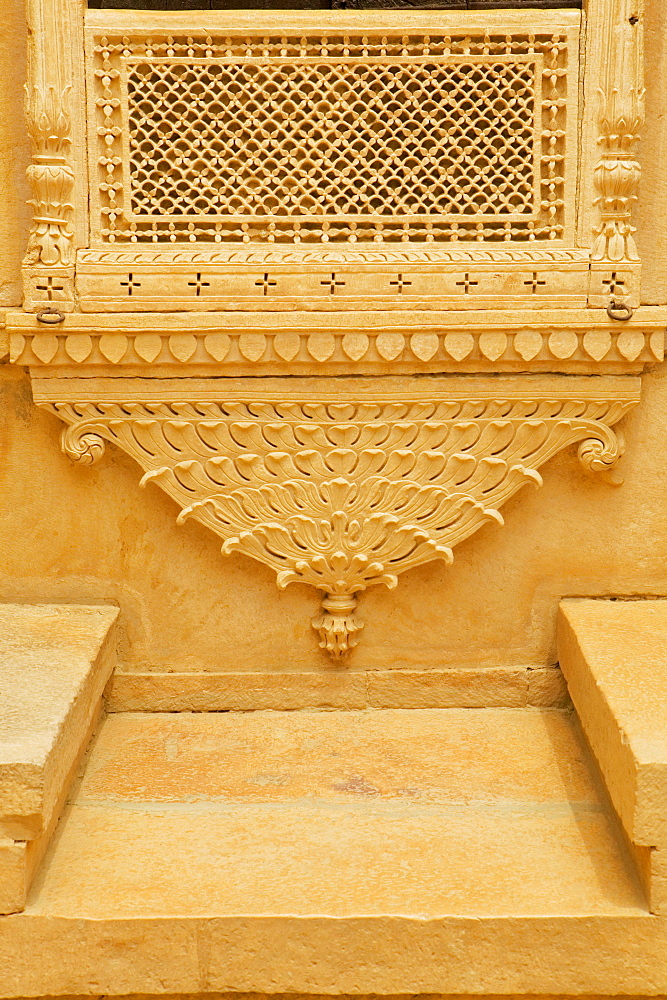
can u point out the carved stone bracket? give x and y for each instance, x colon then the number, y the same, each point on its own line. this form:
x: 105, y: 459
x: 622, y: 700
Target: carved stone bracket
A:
x: 343, y: 486
x: 621, y: 116
x: 340, y: 483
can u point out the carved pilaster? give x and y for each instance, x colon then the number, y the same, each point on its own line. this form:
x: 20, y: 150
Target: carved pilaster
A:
x: 49, y: 263
x: 51, y: 177
x: 620, y: 119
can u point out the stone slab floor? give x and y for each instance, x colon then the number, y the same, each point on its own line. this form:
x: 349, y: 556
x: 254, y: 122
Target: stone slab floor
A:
x: 422, y: 813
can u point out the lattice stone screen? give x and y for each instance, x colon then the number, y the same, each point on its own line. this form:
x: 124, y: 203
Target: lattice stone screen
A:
x: 345, y: 136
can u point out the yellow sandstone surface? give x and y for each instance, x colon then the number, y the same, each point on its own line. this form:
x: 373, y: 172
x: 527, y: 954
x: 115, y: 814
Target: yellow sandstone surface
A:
x: 449, y: 834
x: 336, y: 813
x: 615, y: 660
x: 613, y: 655
x: 54, y: 664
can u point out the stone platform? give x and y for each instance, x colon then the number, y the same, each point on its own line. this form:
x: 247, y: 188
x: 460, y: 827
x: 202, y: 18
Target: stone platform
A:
x: 364, y: 851
x: 408, y: 813
x: 369, y: 851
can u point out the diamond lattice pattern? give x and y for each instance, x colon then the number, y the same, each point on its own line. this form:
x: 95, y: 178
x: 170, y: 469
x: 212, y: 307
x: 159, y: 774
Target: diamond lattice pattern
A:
x: 361, y: 140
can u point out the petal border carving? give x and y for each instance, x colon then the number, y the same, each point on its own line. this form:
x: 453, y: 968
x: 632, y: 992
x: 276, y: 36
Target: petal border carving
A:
x: 343, y: 484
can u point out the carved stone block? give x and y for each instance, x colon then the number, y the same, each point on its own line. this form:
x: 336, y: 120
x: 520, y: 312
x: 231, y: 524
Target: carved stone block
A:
x: 331, y: 343
x: 615, y: 284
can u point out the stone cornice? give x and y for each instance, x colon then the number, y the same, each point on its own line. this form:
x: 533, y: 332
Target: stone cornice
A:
x: 334, y: 343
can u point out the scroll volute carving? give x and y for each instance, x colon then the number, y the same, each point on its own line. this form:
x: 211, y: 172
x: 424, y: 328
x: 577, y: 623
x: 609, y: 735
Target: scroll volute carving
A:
x: 50, y: 176
x: 345, y: 495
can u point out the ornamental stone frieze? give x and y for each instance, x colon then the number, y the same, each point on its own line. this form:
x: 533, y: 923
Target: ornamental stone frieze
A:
x: 340, y: 282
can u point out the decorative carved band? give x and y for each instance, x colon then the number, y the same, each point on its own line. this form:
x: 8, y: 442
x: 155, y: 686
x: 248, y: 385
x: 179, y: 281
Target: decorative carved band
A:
x: 261, y: 255
x: 343, y: 494
x: 383, y: 350
x: 353, y: 287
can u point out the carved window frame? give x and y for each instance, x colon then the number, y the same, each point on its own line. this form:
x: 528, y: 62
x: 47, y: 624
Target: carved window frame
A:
x: 612, y: 92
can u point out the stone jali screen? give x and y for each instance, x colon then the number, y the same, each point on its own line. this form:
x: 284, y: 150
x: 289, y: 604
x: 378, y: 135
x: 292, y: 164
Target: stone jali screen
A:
x: 344, y: 136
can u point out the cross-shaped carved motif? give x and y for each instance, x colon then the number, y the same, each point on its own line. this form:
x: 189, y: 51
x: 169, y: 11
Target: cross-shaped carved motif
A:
x: 466, y: 284
x: 614, y: 284
x: 266, y: 284
x: 400, y: 284
x: 534, y: 283
x: 130, y: 284
x: 332, y: 283
x: 49, y: 288
x: 198, y: 284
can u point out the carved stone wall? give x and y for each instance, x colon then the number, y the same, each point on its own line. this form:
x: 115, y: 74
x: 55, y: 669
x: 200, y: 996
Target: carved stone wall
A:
x: 422, y: 199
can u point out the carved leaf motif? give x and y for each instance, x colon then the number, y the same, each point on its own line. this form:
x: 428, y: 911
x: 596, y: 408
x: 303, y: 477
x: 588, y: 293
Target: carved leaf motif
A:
x: 390, y: 345
x: 286, y: 345
x: 252, y: 345
x: 113, y: 347
x: 597, y: 343
x: 148, y: 346
x: 51, y: 177
x: 45, y: 347
x: 217, y: 345
x: 321, y: 346
x: 78, y: 346
x: 424, y: 345
x: 528, y: 344
x: 630, y: 344
x: 493, y: 345
x: 620, y: 119
x: 182, y: 346
x: 657, y: 345
x: 459, y: 345
x: 563, y: 344
x: 355, y: 345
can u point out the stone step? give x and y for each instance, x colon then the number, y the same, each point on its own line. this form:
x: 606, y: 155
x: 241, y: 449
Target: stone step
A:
x: 54, y: 664
x: 614, y: 655
x: 432, y: 812
x: 387, y: 851
x: 285, y: 690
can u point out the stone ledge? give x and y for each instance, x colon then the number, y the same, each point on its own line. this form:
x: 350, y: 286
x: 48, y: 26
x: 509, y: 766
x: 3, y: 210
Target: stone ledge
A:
x: 292, y: 340
x: 453, y: 687
x: 54, y: 664
x: 379, y: 955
